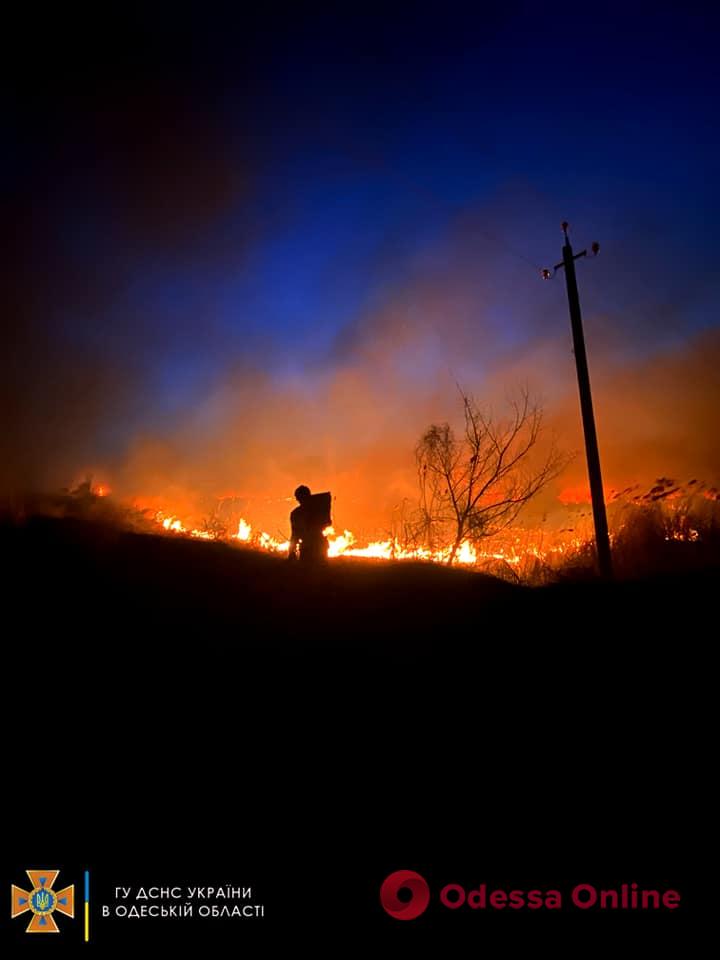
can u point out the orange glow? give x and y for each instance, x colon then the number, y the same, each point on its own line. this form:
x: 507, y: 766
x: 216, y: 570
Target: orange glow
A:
x: 577, y: 494
x: 174, y: 525
x: 580, y: 493
x: 515, y: 551
x: 528, y: 551
x: 512, y: 550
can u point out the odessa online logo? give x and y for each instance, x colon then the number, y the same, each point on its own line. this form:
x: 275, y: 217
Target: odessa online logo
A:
x: 405, y: 895
x: 43, y: 901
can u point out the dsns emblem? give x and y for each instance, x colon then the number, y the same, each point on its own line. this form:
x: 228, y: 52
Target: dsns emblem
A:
x: 43, y: 901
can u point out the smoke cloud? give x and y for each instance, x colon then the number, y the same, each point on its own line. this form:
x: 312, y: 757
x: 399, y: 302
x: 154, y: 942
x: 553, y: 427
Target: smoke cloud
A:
x: 128, y: 182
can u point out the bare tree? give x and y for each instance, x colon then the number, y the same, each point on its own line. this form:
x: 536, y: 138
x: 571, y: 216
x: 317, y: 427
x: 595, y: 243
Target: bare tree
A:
x: 474, y: 485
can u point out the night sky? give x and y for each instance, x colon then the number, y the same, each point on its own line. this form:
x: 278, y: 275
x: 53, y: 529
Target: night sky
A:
x: 244, y: 251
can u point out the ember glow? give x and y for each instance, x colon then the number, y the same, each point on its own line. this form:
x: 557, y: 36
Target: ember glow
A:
x: 528, y: 552
x: 174, y: 525
x: 301, y: 298
x: 513, y: 550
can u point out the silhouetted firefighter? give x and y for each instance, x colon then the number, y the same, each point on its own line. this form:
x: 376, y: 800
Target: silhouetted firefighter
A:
x: 308, y: 522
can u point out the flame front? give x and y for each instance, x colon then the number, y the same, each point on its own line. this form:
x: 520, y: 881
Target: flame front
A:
x: 687, y: 513
x: 345, y: 545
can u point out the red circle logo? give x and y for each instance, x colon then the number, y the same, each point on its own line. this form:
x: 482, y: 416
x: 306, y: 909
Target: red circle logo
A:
x: 404, y: 895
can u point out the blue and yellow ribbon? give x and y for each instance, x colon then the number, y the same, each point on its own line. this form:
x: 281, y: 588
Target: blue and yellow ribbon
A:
x: 87, y: 906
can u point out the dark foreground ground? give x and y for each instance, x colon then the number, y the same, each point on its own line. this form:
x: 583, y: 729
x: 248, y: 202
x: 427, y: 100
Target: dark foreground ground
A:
x: 184, y: 709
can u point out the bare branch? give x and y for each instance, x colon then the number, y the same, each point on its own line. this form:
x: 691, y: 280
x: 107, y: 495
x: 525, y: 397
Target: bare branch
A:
x: 474, y: 485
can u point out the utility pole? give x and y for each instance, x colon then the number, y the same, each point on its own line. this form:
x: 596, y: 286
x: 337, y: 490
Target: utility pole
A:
x: 602, y: 538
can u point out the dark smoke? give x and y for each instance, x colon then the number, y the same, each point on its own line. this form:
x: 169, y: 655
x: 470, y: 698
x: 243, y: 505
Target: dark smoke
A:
x: 123, y: 162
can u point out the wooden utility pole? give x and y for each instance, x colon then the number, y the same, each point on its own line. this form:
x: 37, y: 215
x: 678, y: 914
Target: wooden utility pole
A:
x: 602, y: 538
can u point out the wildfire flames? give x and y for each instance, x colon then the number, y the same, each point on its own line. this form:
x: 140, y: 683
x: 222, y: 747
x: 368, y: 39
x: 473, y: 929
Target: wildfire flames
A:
x: 530, y: 551
x: 678, y: 509
x: 345, y: 545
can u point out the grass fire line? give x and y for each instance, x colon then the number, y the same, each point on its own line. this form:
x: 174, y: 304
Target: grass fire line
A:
x: 667, y: 513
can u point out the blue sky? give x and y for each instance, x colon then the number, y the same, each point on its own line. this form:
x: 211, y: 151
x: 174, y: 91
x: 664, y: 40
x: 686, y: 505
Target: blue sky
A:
x: 200, y: 193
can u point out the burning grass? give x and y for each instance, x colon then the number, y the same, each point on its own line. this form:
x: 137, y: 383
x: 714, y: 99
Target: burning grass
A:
x: 669, y: 527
